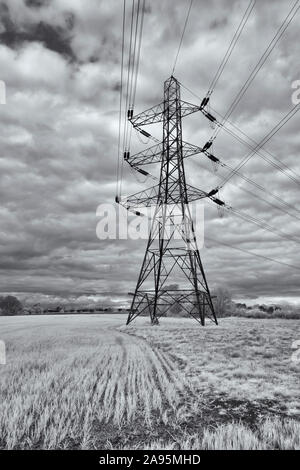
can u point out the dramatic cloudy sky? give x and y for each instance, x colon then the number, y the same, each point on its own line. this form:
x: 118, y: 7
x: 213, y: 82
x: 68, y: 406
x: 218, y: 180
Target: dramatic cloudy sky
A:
x: 60, y: 60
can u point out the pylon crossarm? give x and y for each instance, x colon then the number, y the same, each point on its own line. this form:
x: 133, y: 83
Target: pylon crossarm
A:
x: 188, y: 108
x: 194, y: 193
x: 147, y: 156
x: 148, y: 197
x: 189, y: 150
x: 155, y: 114
x: 150, y: 116
x: 145, y: 198
x: 154, y: 154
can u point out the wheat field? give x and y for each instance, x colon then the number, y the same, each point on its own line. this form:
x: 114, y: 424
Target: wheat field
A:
x: 88, y: 381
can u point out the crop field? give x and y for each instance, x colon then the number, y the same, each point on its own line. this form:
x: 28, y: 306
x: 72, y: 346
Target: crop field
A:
x: 88, y: 381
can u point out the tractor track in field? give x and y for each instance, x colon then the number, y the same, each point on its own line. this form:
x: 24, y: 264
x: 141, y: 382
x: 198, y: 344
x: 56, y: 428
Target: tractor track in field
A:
x: 110, y: 386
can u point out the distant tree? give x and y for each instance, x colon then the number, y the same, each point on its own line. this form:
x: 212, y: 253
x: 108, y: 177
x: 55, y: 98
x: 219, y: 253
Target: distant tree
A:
x: 10, y: 305
x: 176, y: 309
x: 263, y: 308
x: 37, y: 309
x: 27, y: 311
x: 222, y: 302
x: 239, y: 305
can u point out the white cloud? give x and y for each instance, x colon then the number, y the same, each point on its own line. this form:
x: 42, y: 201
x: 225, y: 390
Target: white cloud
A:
x: 59, y: 142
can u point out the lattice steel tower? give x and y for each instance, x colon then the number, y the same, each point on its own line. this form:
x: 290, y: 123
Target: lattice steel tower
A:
x: 172, y: 254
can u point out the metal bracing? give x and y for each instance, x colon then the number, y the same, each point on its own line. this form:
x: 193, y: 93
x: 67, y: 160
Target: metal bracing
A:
x: 156, y: 114
x: 172, y: 254
x: 148, y: 197
x: 154, y: 154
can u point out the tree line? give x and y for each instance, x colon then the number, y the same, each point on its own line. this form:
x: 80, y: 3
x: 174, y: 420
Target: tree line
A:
x: 10, y: 305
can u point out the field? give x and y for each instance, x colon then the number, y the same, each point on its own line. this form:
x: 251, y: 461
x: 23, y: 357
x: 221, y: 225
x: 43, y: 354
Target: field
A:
x: 88, y: 381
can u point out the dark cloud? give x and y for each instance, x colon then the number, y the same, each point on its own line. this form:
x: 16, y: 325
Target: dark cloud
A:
x: 5, y: 17
x: 37, y: 3
x: 215, y: 24
x: 55, y: 38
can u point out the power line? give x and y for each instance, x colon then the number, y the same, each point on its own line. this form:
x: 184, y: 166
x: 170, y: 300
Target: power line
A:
x: 258, y: 186
x: 256, y: 151
x: 262, y: 224
x: 231, y: 47
x: 128, y: 75
x: 134, y: 53
x: 262, y: 61
x: 247, y: 179
x: 255, y: 147
x: 279, y: 166
x: 136, y: 29
x: 136, y: 62
x: 139, y: 52
x: 182, y: 35
x: 269, y: 193
x: 266, y: 139
x: 252, y: 253
x: 125, y: 131
x: 257, y: 196
x: 242, y: 132
x: 121, y: 95
x: 269, y: 203
x: 255, y: 220
x: 260, y: 198
x: 130, y: 104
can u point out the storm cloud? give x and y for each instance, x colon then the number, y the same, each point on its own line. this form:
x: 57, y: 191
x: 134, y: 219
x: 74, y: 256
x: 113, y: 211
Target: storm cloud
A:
x: 60, y: 61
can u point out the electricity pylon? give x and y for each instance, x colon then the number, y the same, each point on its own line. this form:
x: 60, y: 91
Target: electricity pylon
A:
x: 172, y: 244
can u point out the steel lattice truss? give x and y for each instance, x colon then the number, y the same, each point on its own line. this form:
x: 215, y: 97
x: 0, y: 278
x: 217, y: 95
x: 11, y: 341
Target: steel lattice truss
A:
x: 171, y: 254
x: 156, y: 113
x: 154, y: 154
x: 148, y: 197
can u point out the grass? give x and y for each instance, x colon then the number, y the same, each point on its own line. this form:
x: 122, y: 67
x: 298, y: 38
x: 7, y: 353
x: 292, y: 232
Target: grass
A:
x: 270, y: 434
x: 89, y: 382
x: 255, y: 353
